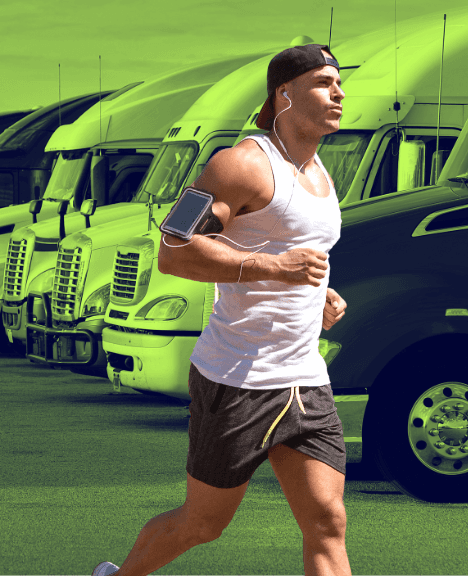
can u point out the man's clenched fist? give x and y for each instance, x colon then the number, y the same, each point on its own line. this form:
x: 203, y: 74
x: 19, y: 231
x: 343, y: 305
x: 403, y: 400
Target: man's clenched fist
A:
x: 334, y: 309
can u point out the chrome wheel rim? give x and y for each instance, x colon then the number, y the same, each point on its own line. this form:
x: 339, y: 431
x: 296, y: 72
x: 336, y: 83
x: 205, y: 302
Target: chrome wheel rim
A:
x: 438, y: 428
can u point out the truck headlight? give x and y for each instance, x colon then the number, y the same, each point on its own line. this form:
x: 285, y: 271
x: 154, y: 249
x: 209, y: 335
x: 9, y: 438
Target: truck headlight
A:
x: 328, y: 350
x: 43, y: 282
x: 164, y: 308
x: 97, y: 302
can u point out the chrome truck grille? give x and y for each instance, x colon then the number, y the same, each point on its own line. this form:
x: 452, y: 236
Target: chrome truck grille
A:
x: 66, y: 281
x: 14, y: 268
x: 125, y: 275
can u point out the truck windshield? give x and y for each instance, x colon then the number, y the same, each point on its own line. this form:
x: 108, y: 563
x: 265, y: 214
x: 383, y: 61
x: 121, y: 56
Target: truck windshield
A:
x: 26, y: 133
x: 169, y: 172
x: 24, y: 140
x: 63, y: 180
x: 341, y: 154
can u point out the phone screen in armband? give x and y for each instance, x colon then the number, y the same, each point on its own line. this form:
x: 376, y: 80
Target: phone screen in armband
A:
x: 191, y: 214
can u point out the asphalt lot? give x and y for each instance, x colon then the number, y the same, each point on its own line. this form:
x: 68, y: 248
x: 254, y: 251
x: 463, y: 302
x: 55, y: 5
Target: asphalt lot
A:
x: 84, y: 468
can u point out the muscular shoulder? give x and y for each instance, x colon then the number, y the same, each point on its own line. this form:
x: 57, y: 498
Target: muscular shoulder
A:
x: 240, y: 178
x: 241, y: 167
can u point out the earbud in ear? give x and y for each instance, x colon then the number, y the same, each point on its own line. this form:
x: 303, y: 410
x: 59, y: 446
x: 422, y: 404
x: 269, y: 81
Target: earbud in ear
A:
x: 285, y: 93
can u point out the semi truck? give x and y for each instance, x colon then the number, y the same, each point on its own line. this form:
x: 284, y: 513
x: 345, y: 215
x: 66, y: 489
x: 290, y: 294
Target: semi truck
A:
x: 394, y: 356
x: 130, y: 125
x: 26, y: 166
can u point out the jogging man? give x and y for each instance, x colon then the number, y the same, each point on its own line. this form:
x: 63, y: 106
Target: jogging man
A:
x: 260, y: 348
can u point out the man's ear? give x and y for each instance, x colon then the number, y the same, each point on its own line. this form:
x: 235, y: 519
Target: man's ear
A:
x: 279, y: 91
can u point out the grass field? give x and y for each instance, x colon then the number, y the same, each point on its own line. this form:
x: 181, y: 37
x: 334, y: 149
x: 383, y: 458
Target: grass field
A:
x: 84, y: 469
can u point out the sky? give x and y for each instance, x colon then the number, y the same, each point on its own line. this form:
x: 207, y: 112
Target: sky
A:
x: 138, y: 39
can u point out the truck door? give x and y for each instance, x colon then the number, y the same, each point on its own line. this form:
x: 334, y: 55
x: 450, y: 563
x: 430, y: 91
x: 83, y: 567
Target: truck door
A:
x: 128, y: 180
x: 126, y: 171
x: 383, y: 175
x: 8, y: 184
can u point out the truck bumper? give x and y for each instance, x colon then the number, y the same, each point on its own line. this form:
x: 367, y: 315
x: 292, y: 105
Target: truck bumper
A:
x: 79, y: 346
x: 161, y: 364
x: 149, y: 362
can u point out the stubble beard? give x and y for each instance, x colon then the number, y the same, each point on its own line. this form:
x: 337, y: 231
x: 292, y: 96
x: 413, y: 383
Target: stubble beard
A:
x: 311, y: 133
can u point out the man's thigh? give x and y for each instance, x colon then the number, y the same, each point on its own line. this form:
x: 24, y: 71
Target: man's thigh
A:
x: 314, y: 490
x: 212, y: 507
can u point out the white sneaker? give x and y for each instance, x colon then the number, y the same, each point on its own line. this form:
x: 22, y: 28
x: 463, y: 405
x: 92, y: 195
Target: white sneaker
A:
x: 104, y: 569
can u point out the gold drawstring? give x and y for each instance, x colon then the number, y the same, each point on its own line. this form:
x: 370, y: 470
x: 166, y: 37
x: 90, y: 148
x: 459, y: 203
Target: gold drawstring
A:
x: 285, y: 409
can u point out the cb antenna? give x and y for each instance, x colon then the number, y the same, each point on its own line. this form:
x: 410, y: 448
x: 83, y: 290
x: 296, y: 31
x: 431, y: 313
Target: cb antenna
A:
x: 440, y: 98
x: 100, y: 107
x: 331, y: 22
x: 60, y: 112
x: 396, y: 104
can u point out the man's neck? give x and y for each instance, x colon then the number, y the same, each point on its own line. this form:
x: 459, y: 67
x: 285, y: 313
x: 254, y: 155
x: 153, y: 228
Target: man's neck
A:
x: 300, y: 150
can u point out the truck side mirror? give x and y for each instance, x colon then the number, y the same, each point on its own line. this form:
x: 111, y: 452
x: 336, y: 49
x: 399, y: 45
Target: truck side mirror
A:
x: 411, y: 164
x: 438, y: 161
x: 100, y: 179
x: 62, y: 210
x: 82, y: 181
x: 34, y: 208
x: 88, y: 208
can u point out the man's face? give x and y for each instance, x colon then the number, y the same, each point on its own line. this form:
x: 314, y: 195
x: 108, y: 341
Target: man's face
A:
x: 316, y: 99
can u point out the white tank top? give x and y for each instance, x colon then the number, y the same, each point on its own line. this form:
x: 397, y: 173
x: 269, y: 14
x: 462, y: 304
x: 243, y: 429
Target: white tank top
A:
x: 265, y: 335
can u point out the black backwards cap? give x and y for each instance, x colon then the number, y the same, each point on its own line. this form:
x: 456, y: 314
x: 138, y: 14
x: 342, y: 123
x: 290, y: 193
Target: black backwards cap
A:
x: 286, y: 66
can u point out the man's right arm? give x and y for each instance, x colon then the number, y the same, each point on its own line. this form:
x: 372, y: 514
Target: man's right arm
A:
x: 234, y: 176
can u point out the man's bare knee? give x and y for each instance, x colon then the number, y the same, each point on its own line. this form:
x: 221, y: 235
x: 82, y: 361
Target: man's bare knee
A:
x: 328, y: 522
x: 202, y: 529
x: 209, y: 510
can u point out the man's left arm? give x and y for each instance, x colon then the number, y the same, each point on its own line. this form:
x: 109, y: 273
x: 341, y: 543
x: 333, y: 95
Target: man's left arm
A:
x: 334, y: 309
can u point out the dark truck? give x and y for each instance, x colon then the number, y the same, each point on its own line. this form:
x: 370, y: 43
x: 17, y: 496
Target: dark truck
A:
x: 24, y: 166
x: 400, y: 267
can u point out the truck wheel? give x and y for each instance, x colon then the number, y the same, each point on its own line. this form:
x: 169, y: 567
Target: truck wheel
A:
x: 417, y: 432
x: 17, y: 348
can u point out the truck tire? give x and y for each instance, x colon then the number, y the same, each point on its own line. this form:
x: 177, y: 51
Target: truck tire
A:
x: 17, y: 348
x: 416, y: 430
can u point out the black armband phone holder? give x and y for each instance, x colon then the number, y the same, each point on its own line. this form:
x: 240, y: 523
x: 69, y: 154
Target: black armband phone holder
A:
x: 192, y: 214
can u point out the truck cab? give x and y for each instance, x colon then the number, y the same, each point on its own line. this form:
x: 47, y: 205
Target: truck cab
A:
x: 26, y: 164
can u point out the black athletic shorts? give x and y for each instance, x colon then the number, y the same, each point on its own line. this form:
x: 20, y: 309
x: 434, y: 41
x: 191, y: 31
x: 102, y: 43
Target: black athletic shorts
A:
x: 228, y: 426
